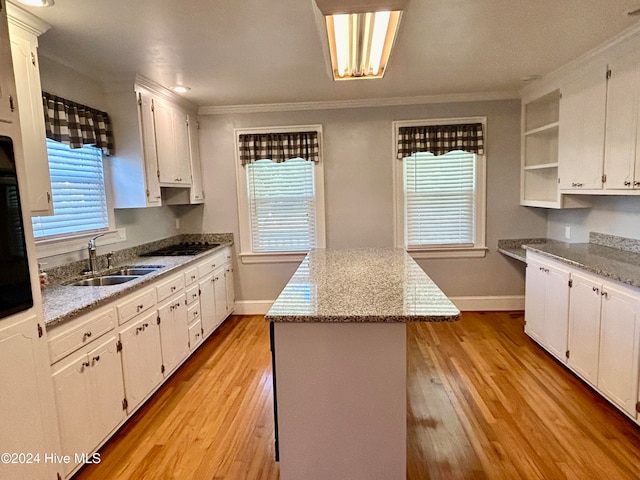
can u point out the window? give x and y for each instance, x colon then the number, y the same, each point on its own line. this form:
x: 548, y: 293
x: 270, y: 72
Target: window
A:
x: 280, y: 193
x: 440, y: 200
x: 78, y: 191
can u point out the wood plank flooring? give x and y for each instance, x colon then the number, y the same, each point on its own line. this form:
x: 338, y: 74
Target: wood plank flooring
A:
x: 484, y: 402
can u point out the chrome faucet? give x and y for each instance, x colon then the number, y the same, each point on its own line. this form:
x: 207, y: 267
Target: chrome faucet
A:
x: 92, y: 254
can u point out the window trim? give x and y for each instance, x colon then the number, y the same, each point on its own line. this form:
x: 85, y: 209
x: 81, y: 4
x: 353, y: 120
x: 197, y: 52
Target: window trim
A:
x: 247, y: 256
x: 479, y: 249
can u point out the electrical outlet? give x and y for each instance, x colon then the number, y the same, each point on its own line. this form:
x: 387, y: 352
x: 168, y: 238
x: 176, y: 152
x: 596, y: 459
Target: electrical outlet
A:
x: 567, y: 232
x: 177, y: 224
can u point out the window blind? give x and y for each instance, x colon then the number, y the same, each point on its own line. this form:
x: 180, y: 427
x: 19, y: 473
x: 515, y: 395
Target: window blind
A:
x: 78, y: 191
x: 440, y: 199
x: 281, y: 205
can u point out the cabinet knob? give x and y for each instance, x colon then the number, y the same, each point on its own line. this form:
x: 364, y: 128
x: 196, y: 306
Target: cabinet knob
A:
x: 86, y: 335
x: 596, y: 289
x: 627, y: 184
x: 636, y: 184
x: 604, y: 294
x: 96, y: 358
x: 85, y: 364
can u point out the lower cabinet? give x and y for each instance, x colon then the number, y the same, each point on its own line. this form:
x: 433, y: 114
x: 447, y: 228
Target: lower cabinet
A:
x: 174, y: 332
x: 89, y: 398
x: 603, y: 320
x: 141, y: 358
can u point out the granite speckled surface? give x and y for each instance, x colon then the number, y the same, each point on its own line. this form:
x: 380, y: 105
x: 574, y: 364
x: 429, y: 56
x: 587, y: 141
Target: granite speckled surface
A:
x: 63, y: 302
x: 611, y: 257
x: 361, y: 285
x: 514, y: 248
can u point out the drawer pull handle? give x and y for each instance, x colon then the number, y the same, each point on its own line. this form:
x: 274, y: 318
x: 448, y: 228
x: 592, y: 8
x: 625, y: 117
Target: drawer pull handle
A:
x: 96, y: 358
x: 193, y: 277
x: 85, y: 364
x: 596, y: 289
x: 86, y: 335
x: 139, y: 307
x: 604, y: 294
x: 173, y: 289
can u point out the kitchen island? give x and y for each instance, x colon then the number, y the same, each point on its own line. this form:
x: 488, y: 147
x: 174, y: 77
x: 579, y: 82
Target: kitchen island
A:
x: 339, y: 356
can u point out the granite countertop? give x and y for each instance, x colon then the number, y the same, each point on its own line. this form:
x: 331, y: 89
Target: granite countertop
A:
x: 361, y: 285
x: 514, y: 248
x: 63, y: 302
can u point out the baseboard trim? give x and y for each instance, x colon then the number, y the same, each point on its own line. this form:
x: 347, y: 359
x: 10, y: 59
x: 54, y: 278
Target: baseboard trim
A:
x: 489, y: 304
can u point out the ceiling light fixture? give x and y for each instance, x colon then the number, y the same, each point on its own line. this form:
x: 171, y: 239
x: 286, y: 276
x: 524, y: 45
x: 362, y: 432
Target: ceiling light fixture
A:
x: 37, y: 3
x: 360, y: 36
x: 180, y: 89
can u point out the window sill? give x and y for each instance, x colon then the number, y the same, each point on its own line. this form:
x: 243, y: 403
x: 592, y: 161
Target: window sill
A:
x: 465, y: 252
x: 275, y: 257
x: 77, y: 243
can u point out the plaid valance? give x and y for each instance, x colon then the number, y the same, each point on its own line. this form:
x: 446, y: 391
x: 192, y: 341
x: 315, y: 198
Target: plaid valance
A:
x: 76, y: 125
x: 279, y: 147
x: 440, y: 139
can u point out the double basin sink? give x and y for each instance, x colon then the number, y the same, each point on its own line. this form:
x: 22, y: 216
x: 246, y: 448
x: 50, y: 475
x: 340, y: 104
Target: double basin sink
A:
x: 122, y: 275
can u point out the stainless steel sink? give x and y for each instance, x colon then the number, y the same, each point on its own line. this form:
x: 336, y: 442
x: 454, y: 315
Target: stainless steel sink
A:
x: 135, y: 270
x: 104, y: 280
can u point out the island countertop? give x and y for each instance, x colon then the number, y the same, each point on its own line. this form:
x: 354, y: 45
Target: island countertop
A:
x: 361, y: 285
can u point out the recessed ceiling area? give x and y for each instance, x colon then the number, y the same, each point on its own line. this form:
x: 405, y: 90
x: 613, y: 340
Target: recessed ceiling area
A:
x: 261, y: 52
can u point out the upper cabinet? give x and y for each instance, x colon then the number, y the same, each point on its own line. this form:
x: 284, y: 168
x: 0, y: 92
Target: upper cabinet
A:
x: 7, y: 95
x: 156, y: 152
x: 24, y: 30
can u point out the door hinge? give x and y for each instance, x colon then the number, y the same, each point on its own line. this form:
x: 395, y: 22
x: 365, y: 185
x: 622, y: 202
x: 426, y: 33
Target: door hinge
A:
x: 118, y: 346
x: 608, y: 73
x: 638, y: 407
x: 570, y: 283
x: 158, y: 320
x: 40, y: 333
x: 566, y: 354
x: 48, y: 197
x: 125, y: 404
x: 153, y: 108
x: 162, y: 368
x: 604, y: 178
x: 140, y: 99
x: 12, y: 105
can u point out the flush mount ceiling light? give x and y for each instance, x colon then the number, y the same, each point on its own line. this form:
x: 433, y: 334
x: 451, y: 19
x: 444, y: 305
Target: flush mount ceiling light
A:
x: 37, y: 3
x: 360, y: 35
x: 180, y: 89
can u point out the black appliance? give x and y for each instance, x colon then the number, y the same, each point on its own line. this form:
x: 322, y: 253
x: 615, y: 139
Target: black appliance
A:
x: 15, y: 283
x: 193, y: 248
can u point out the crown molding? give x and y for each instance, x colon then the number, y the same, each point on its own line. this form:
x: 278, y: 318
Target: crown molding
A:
x: 25, y: 20
x: 364, y: 103
x: 163, y: 92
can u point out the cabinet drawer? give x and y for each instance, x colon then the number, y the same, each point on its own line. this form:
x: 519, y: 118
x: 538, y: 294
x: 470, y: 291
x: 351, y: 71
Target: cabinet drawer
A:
x: 191, y: 276
x: 169, y: 287
x: 195, y: 335
x: 83, y: 334
x: 226, y: 254
x: 193, y: 313
x: 192, y: 294
x: 136, y: 305
x: 210, y: 264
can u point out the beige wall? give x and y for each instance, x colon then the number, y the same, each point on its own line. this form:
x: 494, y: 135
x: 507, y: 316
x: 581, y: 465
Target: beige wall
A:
x: 358, y: 156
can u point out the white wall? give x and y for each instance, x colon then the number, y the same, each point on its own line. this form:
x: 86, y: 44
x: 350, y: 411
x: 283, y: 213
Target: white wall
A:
x: 358, y: 156
x: 612, y: 215
x: 142, y: 225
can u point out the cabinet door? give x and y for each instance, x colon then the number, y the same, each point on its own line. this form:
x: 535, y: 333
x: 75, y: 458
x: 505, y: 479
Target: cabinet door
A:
x: 148, y: 133
x: 107, y: 387
x: 535, y: 300
x: 29, y: 95
x: 182, y: 158
x: 229, y: 287
x: 165, y: 142
x: 623, y: 90
x: 141, y: 359
x: 197, y: 191
x: 220, y: 294
x: 7, y: 94
x: 174, y: 332
x: 584, y: 326
x: 27, y: 405
x: 207, y: 305
x: 581, y: 134
x: 556, y: 312
x: 619, y: 344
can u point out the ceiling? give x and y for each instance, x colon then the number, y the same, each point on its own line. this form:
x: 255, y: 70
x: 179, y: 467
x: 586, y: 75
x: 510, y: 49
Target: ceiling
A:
x: 249, y: 52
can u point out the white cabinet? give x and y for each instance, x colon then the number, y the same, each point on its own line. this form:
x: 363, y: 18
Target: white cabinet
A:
x: 174, y: 332
x: 621, y: 159
x: 172, y: 144
x: 229, y: 287
x: 141, y: 358
x: 547, y: 305
x: 207, y: 304
x: 197, y: 190
x: 584, y: 326
x: 7, y: 87
x: 24, y: 30
x: 27, y: 409
x: 618, y: 366
x: 220, y: 293
x: 581, y: 133
x: 89, y: 398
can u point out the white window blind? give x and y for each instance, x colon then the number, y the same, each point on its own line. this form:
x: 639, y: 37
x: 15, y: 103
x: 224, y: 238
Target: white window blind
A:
x: 281, y: 205
x: 78, y: 191
x: 439, y: 198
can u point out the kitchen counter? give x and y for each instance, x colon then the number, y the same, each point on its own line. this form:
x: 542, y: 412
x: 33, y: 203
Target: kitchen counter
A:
x: 63, y: 302
x: 515, y: 248
x: 361, y: 285
x: 338, y: 338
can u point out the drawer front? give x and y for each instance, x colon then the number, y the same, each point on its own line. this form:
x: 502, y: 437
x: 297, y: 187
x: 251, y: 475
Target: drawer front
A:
x: 136, y: 305
x: 169, y: 287
x: 81, y: 335
x: 209, y: 265
x: 226, y: 252
x: 191, y: 276
x: 195, y: 335
x: 193, y: 313
x: 192, y: 294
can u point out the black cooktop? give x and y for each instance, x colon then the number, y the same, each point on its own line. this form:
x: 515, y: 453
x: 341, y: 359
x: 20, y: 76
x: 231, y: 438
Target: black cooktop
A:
x: 182, y: 249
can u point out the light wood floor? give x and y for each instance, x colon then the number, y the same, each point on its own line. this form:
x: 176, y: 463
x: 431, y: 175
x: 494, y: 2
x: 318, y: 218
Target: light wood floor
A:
x: 484, y: 402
